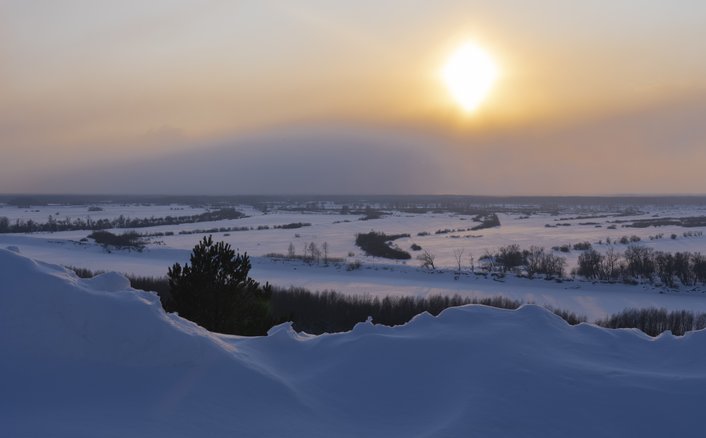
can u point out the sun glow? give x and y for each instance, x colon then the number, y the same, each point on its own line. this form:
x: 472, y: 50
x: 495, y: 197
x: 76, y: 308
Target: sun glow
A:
x: 470, y: 74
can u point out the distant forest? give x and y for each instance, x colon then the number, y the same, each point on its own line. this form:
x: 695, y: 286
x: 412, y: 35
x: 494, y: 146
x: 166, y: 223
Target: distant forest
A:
x: 68, y: 224
x: 466, y: 204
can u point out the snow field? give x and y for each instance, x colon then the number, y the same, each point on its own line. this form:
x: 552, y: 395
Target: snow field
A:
x: 381, y: 276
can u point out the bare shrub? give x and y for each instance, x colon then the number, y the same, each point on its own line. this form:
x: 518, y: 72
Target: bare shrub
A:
x: 458, y: 256
x: 427, y: 260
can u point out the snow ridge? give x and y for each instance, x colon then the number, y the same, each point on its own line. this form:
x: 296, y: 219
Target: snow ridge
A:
x: 97, y: 358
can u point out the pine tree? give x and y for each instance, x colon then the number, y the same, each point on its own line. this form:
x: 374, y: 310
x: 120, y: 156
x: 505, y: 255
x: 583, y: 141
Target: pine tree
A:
x: 216, y: 292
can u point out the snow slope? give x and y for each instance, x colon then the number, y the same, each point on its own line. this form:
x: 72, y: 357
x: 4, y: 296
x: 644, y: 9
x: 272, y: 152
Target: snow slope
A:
x: 96, y: 358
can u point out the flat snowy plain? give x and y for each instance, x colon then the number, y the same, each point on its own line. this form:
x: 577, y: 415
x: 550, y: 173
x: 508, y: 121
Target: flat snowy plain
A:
x: 382, y: 276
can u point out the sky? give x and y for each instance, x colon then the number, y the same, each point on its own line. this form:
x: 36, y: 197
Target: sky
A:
x: 324, y: 96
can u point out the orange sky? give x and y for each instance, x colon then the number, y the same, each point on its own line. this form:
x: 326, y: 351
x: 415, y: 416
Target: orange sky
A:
x: 88, y: 82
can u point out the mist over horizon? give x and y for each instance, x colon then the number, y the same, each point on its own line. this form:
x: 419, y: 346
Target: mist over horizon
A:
x: 620, y: 154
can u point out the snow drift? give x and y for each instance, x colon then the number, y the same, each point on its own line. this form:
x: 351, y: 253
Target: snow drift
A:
x: 97, y: 358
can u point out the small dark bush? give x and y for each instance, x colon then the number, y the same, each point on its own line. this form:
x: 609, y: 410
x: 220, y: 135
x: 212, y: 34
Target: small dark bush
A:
x: 291, y: 226
x: 129, y: 240
x: 371, y: 214
x: 589, y: 264
x: 510, y: 257
x: 582, y: 246
x: 639, y: 261
x: 486, y: 221
x: 376, y: 244
x: 537, y: 261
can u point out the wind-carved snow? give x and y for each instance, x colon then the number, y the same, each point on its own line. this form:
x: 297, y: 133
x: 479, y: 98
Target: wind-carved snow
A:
x: 97, y: 358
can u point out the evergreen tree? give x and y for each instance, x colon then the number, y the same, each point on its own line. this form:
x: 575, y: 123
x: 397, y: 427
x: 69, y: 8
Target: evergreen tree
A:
x: 216, y: 292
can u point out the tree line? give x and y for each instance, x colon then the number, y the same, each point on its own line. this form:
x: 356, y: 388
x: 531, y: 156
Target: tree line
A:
x: 655, y: 321
x: 67, y: 224
x: 636, y: 264
x: 640, y: 263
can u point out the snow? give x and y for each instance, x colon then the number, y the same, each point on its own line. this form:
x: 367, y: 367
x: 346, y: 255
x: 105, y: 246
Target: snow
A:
x: 340, y: 235
x: 381, y: 276
x: 594, y: 300
x: 97, y: 358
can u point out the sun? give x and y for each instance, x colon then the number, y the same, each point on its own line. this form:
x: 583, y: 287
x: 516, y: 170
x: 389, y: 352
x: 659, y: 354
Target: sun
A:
x: 470, y: 74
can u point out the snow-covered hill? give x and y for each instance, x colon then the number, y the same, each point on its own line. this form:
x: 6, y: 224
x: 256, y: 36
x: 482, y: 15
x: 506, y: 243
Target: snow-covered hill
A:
x: 96, y: 358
